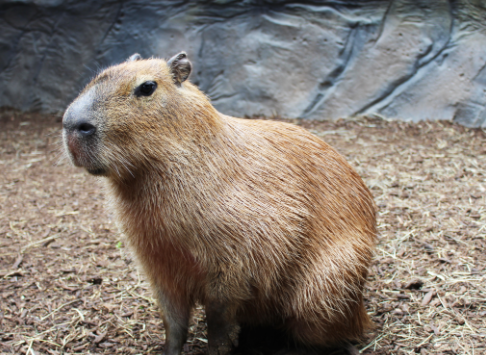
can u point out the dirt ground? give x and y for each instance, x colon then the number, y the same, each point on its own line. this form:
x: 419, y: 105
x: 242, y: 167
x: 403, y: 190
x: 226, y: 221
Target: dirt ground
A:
x: 68, y: 284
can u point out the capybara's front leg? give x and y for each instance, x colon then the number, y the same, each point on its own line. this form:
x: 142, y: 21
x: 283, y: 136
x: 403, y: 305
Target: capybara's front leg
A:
x: 223, y: 330
x: 176, y: 319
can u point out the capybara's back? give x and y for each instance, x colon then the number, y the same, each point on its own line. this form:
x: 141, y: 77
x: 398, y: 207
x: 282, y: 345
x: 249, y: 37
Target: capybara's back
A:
x: 259, y: 221
x: 305, y: 227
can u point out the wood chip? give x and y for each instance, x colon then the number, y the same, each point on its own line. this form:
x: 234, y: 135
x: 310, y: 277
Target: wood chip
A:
x: 99, y: 338
x: 428, y: 296
x: 18, y: 261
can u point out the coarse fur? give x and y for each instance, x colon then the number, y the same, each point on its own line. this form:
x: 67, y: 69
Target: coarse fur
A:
x: 260, y: 221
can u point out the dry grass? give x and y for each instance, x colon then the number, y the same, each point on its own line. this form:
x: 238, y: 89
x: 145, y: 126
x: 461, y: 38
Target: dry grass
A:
x: 68, y: 285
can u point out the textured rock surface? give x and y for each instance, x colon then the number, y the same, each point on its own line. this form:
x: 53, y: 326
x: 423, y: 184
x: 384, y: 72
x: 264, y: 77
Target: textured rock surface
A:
x: 408, y: 59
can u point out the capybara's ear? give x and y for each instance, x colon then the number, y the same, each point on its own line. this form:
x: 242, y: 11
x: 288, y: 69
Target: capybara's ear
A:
x: 134, y: 57
x: 180, y: 67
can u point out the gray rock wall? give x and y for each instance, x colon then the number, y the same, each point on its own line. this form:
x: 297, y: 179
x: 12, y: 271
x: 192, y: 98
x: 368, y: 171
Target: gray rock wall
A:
x: 407, y: 59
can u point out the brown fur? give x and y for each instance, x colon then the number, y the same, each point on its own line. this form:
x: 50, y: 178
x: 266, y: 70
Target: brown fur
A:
x: 260, y: 220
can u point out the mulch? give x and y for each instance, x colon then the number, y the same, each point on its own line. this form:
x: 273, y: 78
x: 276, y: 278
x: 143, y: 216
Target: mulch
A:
x: 68, y: 284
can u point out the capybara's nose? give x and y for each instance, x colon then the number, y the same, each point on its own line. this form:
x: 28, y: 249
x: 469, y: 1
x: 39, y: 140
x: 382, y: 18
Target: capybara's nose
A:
x: 78, y: 126
x: 85, y: 128
x: 79, y: 117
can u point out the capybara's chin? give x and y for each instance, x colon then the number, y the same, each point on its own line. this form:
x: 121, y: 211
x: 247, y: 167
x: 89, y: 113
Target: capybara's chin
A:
x: 259, y: 221
x: 89, y: 162
x: 85, y: 154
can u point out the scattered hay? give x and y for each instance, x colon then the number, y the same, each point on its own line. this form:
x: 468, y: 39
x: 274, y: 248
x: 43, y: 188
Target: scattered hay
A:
x: 68, y: 284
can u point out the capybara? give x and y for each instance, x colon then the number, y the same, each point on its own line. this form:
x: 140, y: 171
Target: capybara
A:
x: 259, y: 221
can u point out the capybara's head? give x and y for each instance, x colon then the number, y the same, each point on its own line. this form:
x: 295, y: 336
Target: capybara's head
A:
x: 134, y: 114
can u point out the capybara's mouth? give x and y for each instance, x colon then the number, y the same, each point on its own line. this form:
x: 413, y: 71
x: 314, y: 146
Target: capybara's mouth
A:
x: 82, y: 156
x: 74, y: 149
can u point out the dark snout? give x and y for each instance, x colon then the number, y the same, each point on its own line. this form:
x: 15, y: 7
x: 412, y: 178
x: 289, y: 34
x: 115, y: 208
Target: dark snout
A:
x: 79, y: 118
x: 78, y: 124
x: 81, y: 133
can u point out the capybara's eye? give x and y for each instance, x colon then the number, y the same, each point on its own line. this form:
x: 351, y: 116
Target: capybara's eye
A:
x: 146, y: 89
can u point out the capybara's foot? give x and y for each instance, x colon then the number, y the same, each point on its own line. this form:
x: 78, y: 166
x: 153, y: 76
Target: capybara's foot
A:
x: 223, y: 339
